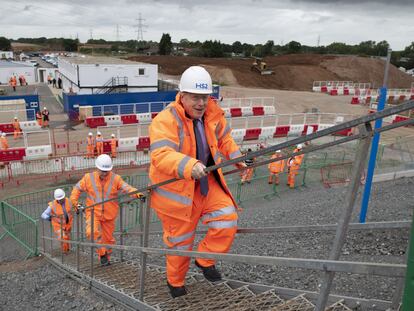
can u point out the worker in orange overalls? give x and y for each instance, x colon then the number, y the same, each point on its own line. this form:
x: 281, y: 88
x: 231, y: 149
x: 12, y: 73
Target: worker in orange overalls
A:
x: 190, y: 134
x: 101, y: 185
x: 39, y: 117
x: 248, y: 174
x: 275, y: 168
x: 17, y: 130
x: 99, y: 143
x: 4, y: 144
x: 13, y: 83
x: 90, y: 147
x: 294, y: 164
x: 114, y: 142
x: 59, y: 212
x: 45, y: 120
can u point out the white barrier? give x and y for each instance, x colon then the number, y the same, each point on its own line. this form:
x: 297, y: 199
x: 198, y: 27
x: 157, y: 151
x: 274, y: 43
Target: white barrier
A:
x: 227, y: 113
x: 296, y: 129
x: 144, y: 117
x: 267, y: 132
x: 113, y: 120
x: 128, y: 144
x: 246, y: 111
x: 38, y: 152
x: 268, y: 110
x: 238, y: 134
x: 323, y: 126
x: 29, y: 126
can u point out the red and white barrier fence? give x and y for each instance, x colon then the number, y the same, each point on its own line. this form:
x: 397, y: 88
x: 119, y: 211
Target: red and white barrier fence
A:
x: 372, y: 96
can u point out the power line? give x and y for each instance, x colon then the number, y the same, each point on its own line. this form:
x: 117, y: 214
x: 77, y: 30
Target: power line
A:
x: 140, y: 25
x: 117, y: 32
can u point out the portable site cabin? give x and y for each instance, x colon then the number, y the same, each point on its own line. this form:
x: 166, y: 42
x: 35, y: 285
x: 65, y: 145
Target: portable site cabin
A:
x: 11, y: 108
x: 8, y: 69
x: 6, y: 54
x: 103, y: 75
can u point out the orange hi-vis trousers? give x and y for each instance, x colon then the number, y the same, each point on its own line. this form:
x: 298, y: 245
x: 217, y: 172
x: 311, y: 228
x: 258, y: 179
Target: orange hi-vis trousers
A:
x: 90, y: 151
x: 66, y: 233
x: 273, y: 178
x: 216, y: 210
x: 99, y: 147
x: 103, y: 232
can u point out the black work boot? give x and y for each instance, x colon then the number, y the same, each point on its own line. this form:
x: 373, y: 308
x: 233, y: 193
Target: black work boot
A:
x: 104, y: 260
x: 210, y: 273
x: 177, y: 291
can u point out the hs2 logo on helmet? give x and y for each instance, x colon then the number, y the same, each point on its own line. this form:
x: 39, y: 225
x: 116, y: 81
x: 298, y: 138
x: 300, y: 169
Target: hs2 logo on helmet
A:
x: 203, y: 86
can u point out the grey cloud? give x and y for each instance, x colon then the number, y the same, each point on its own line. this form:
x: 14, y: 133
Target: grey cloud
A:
x: 353, y: 2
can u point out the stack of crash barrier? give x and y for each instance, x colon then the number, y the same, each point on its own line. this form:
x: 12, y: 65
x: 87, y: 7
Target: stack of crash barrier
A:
x: 394, y: 96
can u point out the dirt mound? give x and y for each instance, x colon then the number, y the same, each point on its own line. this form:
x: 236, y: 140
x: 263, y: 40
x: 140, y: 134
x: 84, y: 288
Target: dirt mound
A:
x: 291, y: 72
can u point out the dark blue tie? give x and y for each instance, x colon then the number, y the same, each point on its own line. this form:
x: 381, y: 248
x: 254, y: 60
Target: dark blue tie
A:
x: 201, y: 154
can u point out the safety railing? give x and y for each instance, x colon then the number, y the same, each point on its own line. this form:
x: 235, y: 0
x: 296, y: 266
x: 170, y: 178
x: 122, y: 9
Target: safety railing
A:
x: 128, y: 108
x: 247, y: 102
x: 329, y: 266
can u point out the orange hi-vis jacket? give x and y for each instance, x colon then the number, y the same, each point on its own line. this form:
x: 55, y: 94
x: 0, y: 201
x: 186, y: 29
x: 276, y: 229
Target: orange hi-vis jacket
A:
x: 4, y: 144
x: 16, y: 126
x: 299, y: 157
x: 173, y: 155
x: 294, y: 164
x: 98, y: 191
x: 91, y: 141
x: 58, y: 214
x: 113, y: 143
x: 277, y: 166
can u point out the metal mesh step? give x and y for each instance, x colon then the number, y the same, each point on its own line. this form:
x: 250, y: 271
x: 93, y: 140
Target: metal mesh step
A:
x: 299, y: 303
x: 338, y: 306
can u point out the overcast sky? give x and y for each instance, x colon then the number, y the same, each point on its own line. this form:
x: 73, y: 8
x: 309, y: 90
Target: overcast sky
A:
x: 250, y: 21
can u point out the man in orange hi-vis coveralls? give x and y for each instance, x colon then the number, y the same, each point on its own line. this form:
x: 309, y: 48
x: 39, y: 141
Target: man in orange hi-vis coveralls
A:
x: 90, y: 146
x: 275, y: 168
x: 59, y: 213
x: 293, y: 164
x: 17, y: 129
x: 113, y: 145
x: 190, y: 134
x: 99, y: 143
x: 4, y: 144
x: 101, y: 185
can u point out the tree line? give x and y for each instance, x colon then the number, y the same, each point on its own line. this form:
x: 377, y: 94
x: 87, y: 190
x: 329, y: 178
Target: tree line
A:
x: 215, y: 48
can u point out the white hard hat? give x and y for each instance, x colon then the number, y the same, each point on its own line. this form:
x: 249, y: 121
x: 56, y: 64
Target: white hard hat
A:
x: 278, y: 151
x: 90, y: 134
x: 299, y: 146
x: 15, y: 118
x: 59, y: 194
x: 44, y: 108
x: 3, y: 134
x: 98, y: 133
x: 112, y: 135
x: 196, y: 79
x: 104, y: 162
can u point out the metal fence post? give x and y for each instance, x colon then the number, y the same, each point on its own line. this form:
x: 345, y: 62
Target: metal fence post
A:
x: 61, y: 238
x: 408, y: 298
x: 141, y: 222
x: 343, y: 222
x: 43, y: 236
x: 145, y: 244
x: 92, y: 226
x: 121, y: 229
x: 77, y: 240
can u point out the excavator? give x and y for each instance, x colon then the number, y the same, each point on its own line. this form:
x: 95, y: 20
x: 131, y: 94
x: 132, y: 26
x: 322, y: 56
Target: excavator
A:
x: 260, y: 66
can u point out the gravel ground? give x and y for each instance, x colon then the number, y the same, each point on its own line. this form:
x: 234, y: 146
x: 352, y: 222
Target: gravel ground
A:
x: 49, y: 290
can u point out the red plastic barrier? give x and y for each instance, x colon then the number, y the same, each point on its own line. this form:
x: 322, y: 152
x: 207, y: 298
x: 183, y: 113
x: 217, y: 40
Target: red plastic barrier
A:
x: 258, y: 111
x: 333, y: 92
x: 129, y: 118
x: 305, y: 128
x: 252, y: 134
x: 153, y: 114
x: 143, y: 143
x: 15, y: 154
x: 355, y: 100
x: 6, y: 127
x: 236, y: 112
x: 324, y: 89
x: 402, y: 98
x: 345, y: 132
x: 412, y: 97
x: 346, y: 91
x: 281, y: 131
x: 368, y: 100
x: 94, y: 122
x: 400, y: 118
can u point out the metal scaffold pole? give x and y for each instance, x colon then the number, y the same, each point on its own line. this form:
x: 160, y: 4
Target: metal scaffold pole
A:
x: 408, y: 297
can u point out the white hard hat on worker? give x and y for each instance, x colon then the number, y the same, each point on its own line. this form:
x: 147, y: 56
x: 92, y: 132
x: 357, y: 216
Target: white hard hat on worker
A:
x: 195, y: 88
x: 59, y: 194
x: 104, y: 163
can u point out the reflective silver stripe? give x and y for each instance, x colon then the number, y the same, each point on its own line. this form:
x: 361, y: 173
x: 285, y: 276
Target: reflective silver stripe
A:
x: 108, y: 191
x: 224, y: 211
x: 219, y: 155
x: 181, y: 238
x: 182, y: 247
x: 226, y: 131
x: 222, y: 224
x: 180, y: 127
x: 235, y: 154
x: 78, y: 186
x: 164, y: 143
x: 173, y: 196
x: 217, y: 131
x: 181, y: 166
x: 124, y: 187
x: 98, y: 198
